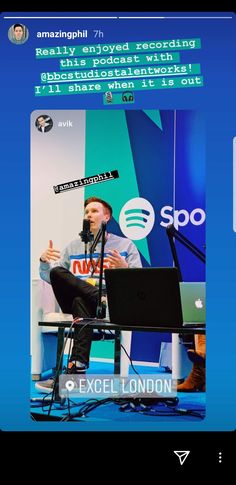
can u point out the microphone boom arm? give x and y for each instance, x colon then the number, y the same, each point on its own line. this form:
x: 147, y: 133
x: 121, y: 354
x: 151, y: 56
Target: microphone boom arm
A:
x: 96, y: 240
x: 173, y: 233
x: 100, y: 235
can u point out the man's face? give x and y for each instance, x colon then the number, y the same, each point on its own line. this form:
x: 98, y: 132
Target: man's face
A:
x: 96, y: 214
x: 41, y: 121
x: 18, y: 31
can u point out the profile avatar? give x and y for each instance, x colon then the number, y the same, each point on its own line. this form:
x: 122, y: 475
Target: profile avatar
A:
x: 18, y: 34
x: 44, y: 123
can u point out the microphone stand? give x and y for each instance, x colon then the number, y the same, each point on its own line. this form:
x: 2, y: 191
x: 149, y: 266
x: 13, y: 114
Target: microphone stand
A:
x: 101, y: 308
x: 173, y: 233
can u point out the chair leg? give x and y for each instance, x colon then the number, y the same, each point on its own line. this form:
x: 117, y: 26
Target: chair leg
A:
x: 60, y: 343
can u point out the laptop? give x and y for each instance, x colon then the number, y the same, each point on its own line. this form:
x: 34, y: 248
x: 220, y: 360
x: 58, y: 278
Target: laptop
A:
x: 193, y: 298
x: 144, y: 296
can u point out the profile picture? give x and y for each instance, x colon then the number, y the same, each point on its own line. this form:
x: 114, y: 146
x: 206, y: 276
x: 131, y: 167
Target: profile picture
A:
x: 44, y: 123
x: 18, y: 34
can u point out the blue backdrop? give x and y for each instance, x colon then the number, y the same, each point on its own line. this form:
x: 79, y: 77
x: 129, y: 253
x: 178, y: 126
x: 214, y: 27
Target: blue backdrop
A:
x: 209, y: 110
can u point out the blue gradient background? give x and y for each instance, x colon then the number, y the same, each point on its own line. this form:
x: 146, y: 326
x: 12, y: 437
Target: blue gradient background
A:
x: 217, y: 103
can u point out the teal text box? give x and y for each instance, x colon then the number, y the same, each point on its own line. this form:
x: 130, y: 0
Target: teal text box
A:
x: 111, y: 61
x: 95, y: 88
x: 107, y: 49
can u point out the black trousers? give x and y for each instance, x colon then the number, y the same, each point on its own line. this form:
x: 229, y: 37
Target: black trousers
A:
x: 79, y: 298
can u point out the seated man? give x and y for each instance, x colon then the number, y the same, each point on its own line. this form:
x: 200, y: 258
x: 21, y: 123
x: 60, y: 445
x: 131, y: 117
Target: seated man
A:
x: 75, y: 280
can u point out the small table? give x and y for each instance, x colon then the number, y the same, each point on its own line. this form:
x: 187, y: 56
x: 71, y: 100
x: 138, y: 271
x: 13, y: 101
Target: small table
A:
x: 104, y: 325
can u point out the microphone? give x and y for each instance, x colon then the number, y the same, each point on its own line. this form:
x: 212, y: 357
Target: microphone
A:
x: 108, y: 96
x: 86, y: 235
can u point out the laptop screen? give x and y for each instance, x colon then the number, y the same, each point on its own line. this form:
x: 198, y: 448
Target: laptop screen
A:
x: 144, y: 296
x: 193, y: 297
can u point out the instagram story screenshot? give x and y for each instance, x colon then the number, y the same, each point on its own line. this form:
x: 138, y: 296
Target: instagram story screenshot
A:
x: 118, y: 213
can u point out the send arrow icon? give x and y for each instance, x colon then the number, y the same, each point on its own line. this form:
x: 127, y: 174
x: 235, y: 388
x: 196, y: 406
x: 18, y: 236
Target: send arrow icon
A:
x: 182, y: 455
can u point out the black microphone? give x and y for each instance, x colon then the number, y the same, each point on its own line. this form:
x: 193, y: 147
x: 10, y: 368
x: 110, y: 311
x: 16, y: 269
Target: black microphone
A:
x: 86, y: 235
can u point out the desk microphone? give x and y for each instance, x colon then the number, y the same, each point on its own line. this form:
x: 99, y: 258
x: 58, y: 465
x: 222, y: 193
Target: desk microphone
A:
x: 86, y: 235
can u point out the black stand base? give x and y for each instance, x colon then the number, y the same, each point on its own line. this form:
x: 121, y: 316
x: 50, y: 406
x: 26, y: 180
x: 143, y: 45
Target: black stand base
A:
x: 44, y: 417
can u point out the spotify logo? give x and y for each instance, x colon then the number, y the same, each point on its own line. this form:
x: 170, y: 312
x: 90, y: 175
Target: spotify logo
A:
x: 136, y: 218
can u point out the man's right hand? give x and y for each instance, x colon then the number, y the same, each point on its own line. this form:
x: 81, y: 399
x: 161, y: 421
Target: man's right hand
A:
x: 50, y: 254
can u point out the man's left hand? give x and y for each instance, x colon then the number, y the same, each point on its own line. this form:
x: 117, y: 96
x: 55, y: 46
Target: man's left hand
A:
x: 115, y: 260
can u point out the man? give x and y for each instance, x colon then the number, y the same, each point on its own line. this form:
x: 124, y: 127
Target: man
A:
x: 19, y: 35
x: 44, y: 124
x: 75, y: 279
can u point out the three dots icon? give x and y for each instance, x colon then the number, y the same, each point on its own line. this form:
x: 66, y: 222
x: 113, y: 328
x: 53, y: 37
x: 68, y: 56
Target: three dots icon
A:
x: 220, y: 457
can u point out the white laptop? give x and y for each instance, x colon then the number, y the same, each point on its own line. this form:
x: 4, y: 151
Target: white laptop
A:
x: 193, y: 299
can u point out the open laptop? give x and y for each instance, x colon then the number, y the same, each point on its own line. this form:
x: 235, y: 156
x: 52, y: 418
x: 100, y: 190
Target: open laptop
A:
x: 144, y: 296
x: 193, y: 298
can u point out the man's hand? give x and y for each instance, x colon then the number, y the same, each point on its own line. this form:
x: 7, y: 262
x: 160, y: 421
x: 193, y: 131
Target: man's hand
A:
x: 115, y: 260
x: 50, y: 254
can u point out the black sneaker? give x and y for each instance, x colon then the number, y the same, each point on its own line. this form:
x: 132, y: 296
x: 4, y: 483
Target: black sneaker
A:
x: 76, y: 367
